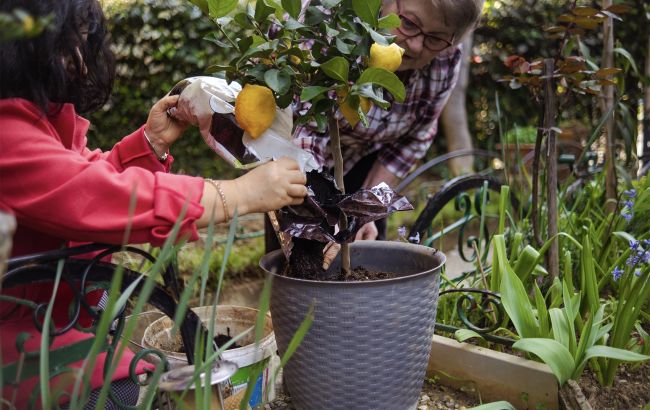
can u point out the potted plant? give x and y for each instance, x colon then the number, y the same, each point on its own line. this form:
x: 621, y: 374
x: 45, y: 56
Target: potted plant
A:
x: 369, y: 342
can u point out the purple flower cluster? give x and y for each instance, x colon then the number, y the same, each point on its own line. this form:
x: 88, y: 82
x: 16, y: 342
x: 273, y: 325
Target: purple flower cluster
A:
x: 401, y: 232
x: 627, y: 211
x: 639, y: 254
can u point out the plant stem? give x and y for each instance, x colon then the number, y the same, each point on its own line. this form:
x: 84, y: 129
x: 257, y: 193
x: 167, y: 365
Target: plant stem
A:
x: 335, y: 146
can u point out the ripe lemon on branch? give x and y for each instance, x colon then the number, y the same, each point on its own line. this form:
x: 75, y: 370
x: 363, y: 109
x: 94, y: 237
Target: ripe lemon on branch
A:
x: 388, y: 57
x: 255, y: 109
x: 349, y: 113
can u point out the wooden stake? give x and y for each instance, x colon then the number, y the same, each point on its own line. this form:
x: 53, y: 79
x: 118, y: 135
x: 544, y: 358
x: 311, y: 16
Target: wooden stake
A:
x: 335, y: 146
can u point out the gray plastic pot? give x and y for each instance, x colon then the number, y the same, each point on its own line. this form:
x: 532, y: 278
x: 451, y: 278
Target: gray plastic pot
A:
x: 369, y: 344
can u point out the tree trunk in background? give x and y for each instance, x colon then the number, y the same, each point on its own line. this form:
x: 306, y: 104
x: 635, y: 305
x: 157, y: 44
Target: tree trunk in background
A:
x: 454, y: 116
x: 607, y: 101
x: 645, y: 147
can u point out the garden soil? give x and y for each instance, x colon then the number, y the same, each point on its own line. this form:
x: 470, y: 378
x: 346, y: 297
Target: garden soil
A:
x: 631, y: 389
x: 434, y: 396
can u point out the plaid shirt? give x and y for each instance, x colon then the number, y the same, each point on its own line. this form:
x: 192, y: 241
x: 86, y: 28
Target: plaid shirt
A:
x: 403, y: 134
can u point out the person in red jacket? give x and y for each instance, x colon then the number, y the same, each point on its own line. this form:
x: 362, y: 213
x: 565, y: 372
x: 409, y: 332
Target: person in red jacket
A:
x: 61, y: 192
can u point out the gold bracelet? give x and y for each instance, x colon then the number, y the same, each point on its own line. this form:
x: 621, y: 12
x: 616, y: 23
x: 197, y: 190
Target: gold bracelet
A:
x: 217, y: 186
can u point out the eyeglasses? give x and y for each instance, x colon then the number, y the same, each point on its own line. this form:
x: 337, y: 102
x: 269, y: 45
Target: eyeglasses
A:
x: 409, y: 30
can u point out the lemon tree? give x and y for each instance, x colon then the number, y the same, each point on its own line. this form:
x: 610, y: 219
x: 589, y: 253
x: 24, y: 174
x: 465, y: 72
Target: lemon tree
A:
x: 314, y: 55
x: 331, y: 55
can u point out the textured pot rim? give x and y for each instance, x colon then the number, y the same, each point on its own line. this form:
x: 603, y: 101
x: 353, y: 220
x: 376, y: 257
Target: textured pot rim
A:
x: 368, y: 244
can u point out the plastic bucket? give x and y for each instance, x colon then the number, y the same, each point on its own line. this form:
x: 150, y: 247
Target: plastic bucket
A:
x: 229, y: 321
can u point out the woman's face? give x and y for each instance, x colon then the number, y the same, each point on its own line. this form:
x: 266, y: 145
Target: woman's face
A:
x: 416, y: 16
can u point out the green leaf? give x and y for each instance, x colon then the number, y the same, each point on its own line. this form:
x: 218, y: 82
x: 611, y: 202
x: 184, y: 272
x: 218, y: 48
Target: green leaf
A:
x: 526, y: 262
x: 336, y: 68
x: 513, y: 295
x: 292, y: 7
x: 542, y: 312
x: 614, y: 353
x: 626, y: 54
x: 219, y: 8
x: 385, y: 79
x: 588, y: 275
x: 367, y: 10
x: 556, y: 356
x: 309, y: 93
x: 262, y: 10
x: 495, y: 405
x: 293, y: 24
x: 465, y: 334
x: 390, y: 21
x: 560, y: 326
x: 314, y: 16
x: 343, y: 47
x: 243, y: 20
x: 278, y: 81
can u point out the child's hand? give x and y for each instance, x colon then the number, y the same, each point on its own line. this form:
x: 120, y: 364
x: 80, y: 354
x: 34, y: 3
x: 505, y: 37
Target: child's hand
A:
x: 161, y: 129
x: 272, y: 186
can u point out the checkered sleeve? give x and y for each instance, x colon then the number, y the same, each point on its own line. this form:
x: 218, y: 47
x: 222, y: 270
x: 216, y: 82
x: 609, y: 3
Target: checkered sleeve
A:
x: 400, y: 156
x: 312, y: 141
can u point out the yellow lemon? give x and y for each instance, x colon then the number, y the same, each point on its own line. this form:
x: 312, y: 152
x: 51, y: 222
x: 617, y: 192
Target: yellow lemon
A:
x: 388, y: 57
x: 255, y: 109
x: 349, y: 113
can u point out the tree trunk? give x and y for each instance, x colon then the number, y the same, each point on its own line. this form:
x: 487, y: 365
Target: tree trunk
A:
x: 607, y: 101
x: 335, y: 146
x: 645, y: 144
x: 550, y: 110
x: 454, y: 116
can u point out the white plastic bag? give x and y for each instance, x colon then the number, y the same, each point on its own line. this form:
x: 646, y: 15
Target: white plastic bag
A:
x: 208, y: 103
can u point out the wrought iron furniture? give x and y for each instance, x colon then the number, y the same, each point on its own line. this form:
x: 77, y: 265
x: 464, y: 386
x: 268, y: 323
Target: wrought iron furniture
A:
x: 84, y: 276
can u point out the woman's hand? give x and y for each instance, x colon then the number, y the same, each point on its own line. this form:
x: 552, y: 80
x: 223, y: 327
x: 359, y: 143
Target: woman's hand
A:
x: 367, y: 232
x: 271, y: 186
x: 162, y: 130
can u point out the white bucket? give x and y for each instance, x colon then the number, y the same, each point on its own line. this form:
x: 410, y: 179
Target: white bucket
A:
x: 230, y: 321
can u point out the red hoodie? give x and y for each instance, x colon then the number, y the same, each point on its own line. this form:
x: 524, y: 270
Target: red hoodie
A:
x: 61, y: 192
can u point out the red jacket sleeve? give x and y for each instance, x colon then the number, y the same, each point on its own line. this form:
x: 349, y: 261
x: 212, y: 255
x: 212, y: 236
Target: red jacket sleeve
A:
x: 55, y: 185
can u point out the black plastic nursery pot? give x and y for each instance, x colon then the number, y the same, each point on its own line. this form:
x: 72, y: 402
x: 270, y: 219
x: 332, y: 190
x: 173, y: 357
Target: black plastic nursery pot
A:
x: 368, y: 346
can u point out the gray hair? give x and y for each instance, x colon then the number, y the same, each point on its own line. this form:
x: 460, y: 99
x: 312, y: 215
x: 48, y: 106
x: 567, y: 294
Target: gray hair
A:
x: 464, y: 15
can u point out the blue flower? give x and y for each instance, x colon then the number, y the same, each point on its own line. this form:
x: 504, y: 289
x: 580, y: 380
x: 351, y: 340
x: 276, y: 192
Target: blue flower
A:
x: 637, y: 272
x: 646, y: 242
x: 630, y: 193
x: 617, y: 273
x: 627, y: 216
x: 632, y: 260
x: 628, y: 204
x: 646, y: 257
x: 634, y: 244
x: 401, y: 232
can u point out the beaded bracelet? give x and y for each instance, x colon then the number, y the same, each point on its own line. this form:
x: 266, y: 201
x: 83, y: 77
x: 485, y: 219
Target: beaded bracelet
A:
x: 217, y: 186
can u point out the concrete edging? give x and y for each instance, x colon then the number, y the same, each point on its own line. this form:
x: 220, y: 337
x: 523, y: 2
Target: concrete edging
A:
x: 493, y: 375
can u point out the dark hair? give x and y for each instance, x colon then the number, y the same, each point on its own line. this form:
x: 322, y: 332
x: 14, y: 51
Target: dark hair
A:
x: 59, y: 66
